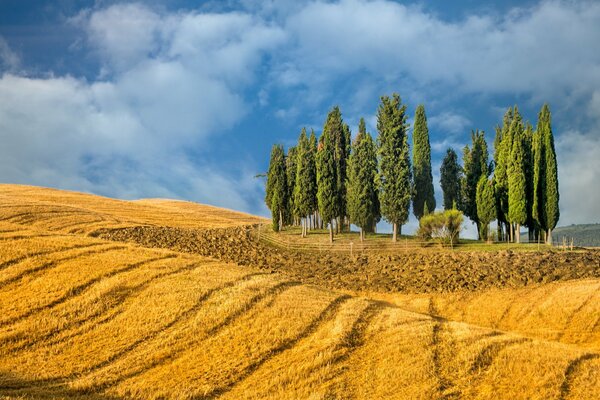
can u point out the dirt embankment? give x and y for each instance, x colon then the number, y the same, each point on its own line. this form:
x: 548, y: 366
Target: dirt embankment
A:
x: 416, y: 271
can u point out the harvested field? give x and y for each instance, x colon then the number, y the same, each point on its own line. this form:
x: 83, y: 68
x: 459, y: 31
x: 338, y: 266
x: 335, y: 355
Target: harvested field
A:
x: 148, y: 315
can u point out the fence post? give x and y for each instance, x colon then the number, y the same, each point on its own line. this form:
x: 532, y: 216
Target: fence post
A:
x: 351, y: 250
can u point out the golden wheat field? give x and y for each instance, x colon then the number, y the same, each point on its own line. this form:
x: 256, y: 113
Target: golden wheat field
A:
x: 83, y: 317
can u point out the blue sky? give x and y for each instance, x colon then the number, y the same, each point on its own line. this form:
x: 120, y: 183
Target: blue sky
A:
x: 183, y: 99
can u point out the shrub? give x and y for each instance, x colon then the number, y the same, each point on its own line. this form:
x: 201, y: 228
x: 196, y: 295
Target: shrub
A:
x: 443, y: 227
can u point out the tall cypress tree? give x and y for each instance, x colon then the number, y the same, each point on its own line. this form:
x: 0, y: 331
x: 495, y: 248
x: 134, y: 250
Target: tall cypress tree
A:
x: 475, y: 164
x: 517, y: 185
x: 486, y: 205
x: 502, y: 146
x: 276, y: 189
x: 327, y: 181
x: 304, y: 181
x: 450, y: 176
x: 362, y: 192
x: 529, y: 172
x: 423, y: 179
x: 395, y: 172
x: 290, y: 170
x: 545, y: 209
x: 312, y: 172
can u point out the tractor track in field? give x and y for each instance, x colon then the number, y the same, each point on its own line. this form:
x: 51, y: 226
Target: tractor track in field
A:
x: 55, y: 263
x: 571, y: 371
x: 19, y: 259
x: 228, y: 320
x: 326, y: 315
x: 80, y: 290
x: 60, y: 381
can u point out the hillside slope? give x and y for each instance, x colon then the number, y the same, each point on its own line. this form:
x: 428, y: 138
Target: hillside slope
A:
x: 84, y: 317
x: 582, y: 235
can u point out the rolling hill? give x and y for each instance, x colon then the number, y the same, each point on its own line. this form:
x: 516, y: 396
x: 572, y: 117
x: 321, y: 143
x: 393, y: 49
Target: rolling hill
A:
x: 586, y: 235
x: 86, y: 317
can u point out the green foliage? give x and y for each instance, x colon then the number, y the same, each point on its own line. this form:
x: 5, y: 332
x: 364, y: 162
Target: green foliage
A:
x: 395, y: 172
x: 362, y: 192
x: 475, y: 164
x: 545, y: 211
x: 305, y: 190
x: 486, y: 205
x: 552, y: 212
x: 339, y: 137
x: 290, y: 170
x: 423, y: 179
x: 276, y: 197
x: 443, y: 226
x: 528, y: 167
x: 450, y: 177
x: 517, y: 189
x: 502, y: 146
x: 327, y: 195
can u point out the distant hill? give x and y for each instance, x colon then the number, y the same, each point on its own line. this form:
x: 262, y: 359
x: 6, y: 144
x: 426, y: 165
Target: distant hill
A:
x: 583, y: 235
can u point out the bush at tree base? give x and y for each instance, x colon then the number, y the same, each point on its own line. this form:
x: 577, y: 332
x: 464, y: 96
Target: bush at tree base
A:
x: 443, y: 227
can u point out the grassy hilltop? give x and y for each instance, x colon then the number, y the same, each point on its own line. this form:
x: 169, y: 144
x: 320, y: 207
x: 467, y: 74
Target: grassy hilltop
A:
x: 109, y: 299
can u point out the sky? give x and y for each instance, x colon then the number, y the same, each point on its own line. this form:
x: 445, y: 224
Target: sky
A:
x: 184, y: 99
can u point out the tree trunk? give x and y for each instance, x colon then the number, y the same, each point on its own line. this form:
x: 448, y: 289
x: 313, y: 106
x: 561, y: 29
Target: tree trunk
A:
x: 549, y: 237
x: 394, y: 235
x: 517, y: 233
x: 280, y: 221
x: 331, y: 232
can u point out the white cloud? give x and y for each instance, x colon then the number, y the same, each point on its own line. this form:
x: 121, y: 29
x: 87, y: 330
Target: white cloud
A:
x: 523, y: 51
x: 170, y: 81
x: 8, y: 59
x: 578, y: 166
x: 449, y: 122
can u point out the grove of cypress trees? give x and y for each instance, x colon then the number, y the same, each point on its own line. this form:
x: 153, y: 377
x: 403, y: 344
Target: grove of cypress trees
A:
x: 475, y: 164
x: 486, y: 205
x: 450, y: 176
x: 545, y: 209
x: 517, y: 185
x: 327, y: 193
x: 362, y: 192
x: 395, y: 172
x: 423, y: 179
x: 276, y: 190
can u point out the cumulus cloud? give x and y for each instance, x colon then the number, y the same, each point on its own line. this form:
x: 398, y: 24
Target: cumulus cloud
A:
x: 9, y: 60
x: 522, y: 51
x: 578, y: 166
x: 168, y: 82
x: 449, y: 122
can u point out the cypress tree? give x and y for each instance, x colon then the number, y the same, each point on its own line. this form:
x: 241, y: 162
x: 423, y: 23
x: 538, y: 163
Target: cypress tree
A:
x: 545, y: 209
x: 502, y: 145
x: 486, y: 205
x: 304, y: 182
x: 423, y: 179
x: 312, y: 172
x: 450, y: 176
x: 276, y: 189
x: 362, y: 169
x: 327, y: 194
x: 475, y: 164
x: 291, y: 160
x: 395, y: 172
x: 517, y: 185
x: 529, y: 172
